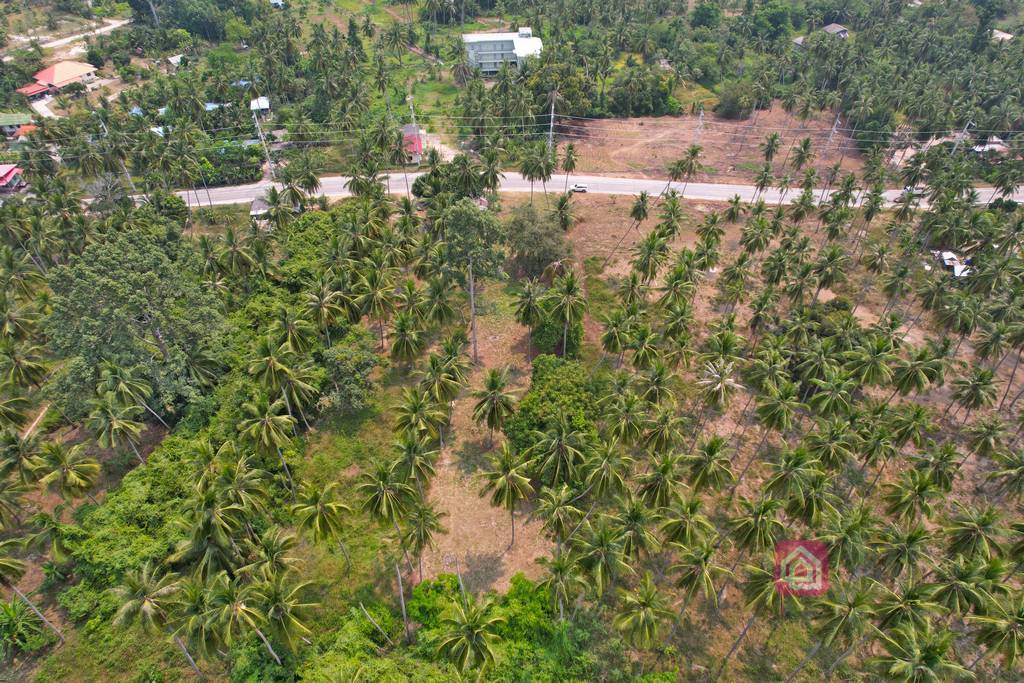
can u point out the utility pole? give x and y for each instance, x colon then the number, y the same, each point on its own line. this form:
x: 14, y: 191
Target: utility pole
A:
x: 266, y: 149
x: 963, y: 134
x: 551, y: 122
x: 831, y: 133
x: 412, y: 112
x: 700, y: 122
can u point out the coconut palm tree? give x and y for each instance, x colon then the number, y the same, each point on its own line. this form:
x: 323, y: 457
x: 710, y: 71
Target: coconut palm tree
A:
x: 567, y: 303
x: 697, y: 571
x: 113, y: 424
x: 562, y: 580
x: 235, y: 611
x: 268, y: 429
x: 569, y: 159
x: 507, y: 483
x: 1001, y: 630
x: 418, y: 414
x: 558, y: 452
x: 602, y: 553
x: 20, y: 456
x: 128, y: 387
x: 319, y: 513
x: 147, y: 598
x: 423, y: 522
x: 494, y: 404
x: 70, y: 472
x: 468, y: 635
x: 709, y: 466
x: 11, y: 571
x: 641, y: 612
x: 764, y: 596
x: 846, y: 617
x: 387, y: 498
x: 918, y: 653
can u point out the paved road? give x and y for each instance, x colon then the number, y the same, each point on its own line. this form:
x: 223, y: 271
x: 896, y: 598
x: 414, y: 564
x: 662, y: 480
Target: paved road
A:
x: 334, y: 187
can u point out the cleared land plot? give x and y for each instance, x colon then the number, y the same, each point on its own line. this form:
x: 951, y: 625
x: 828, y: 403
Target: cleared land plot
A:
x: 644, y: 147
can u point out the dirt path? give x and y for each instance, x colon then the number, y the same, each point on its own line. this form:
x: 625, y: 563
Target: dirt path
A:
x: 478, y: 534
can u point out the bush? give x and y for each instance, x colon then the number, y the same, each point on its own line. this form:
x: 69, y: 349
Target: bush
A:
x: 736, y: 100
x: 547, y: 337
x: 536, y: 241
x: 558, y: 387
x: 350, y: 362
x: 706, y: 14
x: 431, y: 599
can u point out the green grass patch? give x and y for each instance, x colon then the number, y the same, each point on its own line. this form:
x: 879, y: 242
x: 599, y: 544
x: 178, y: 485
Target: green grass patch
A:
x: 600, y: 292
x: 692, y: 94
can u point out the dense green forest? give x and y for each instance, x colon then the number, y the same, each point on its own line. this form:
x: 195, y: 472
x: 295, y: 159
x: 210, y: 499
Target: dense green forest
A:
x: 269, y: 449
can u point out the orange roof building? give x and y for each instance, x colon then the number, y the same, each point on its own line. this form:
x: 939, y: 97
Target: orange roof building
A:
x: 63, y: 74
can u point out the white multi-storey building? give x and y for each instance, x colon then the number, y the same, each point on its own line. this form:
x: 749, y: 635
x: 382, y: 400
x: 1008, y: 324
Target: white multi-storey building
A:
x: 488, y: 51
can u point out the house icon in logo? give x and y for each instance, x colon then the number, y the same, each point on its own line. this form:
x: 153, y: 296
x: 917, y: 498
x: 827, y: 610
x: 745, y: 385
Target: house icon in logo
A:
x: 801, y: 567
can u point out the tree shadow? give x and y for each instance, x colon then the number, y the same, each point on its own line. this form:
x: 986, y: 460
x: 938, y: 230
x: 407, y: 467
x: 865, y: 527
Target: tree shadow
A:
x: 472, y: 455
x: 482, y: 570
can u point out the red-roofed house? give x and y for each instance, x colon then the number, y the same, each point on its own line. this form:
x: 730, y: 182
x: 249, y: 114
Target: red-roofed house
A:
x: 10, y: 178
x: 23, y: 131
x: 33, y: 90
x: 57, y: 76
x: 414, y: 139
x: 63, y: 74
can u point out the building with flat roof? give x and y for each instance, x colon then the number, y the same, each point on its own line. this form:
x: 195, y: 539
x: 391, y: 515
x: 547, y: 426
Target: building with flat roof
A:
x: 10, y: 122
x: 488, y: 51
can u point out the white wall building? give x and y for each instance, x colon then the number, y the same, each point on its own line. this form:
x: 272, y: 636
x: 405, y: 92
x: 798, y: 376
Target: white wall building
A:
x: 488, y: 51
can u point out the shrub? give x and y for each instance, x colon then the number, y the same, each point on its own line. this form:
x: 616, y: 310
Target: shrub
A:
x: 547, y: 337
x: 736, y: 100
x: 350, y: 362
x: 558, y: 387
x: 431, y: 599
x: 536, y: 241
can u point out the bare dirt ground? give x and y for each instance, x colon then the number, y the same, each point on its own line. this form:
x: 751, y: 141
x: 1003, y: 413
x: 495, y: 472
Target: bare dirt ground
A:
x: 644, y: 147
x: 477, y: 542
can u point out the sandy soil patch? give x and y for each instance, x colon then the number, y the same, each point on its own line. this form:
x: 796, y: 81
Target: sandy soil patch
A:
x: 477, y: 542
x: 644, y: 147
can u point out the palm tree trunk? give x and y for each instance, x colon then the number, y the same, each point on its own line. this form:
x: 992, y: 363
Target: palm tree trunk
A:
x: 270, y: 649
x: 401, y: 600
x: 840, y: 658
x: 977, y: 660
x: 287, y: 472
x: 565, y: 336
x: 472, y: 311
x: 188, y: 655
x: 750, y: 461
x: 154, y: 414
x: 512, y: 518
x: 348, y: 558
x: 405, y: 551
x: 136, y: 451
x: 375, y: 624
x: 1013, y: 373
x: 807, y: 658
x: 39, y: 614
x: 735, y: 645
x: 878, y: 475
